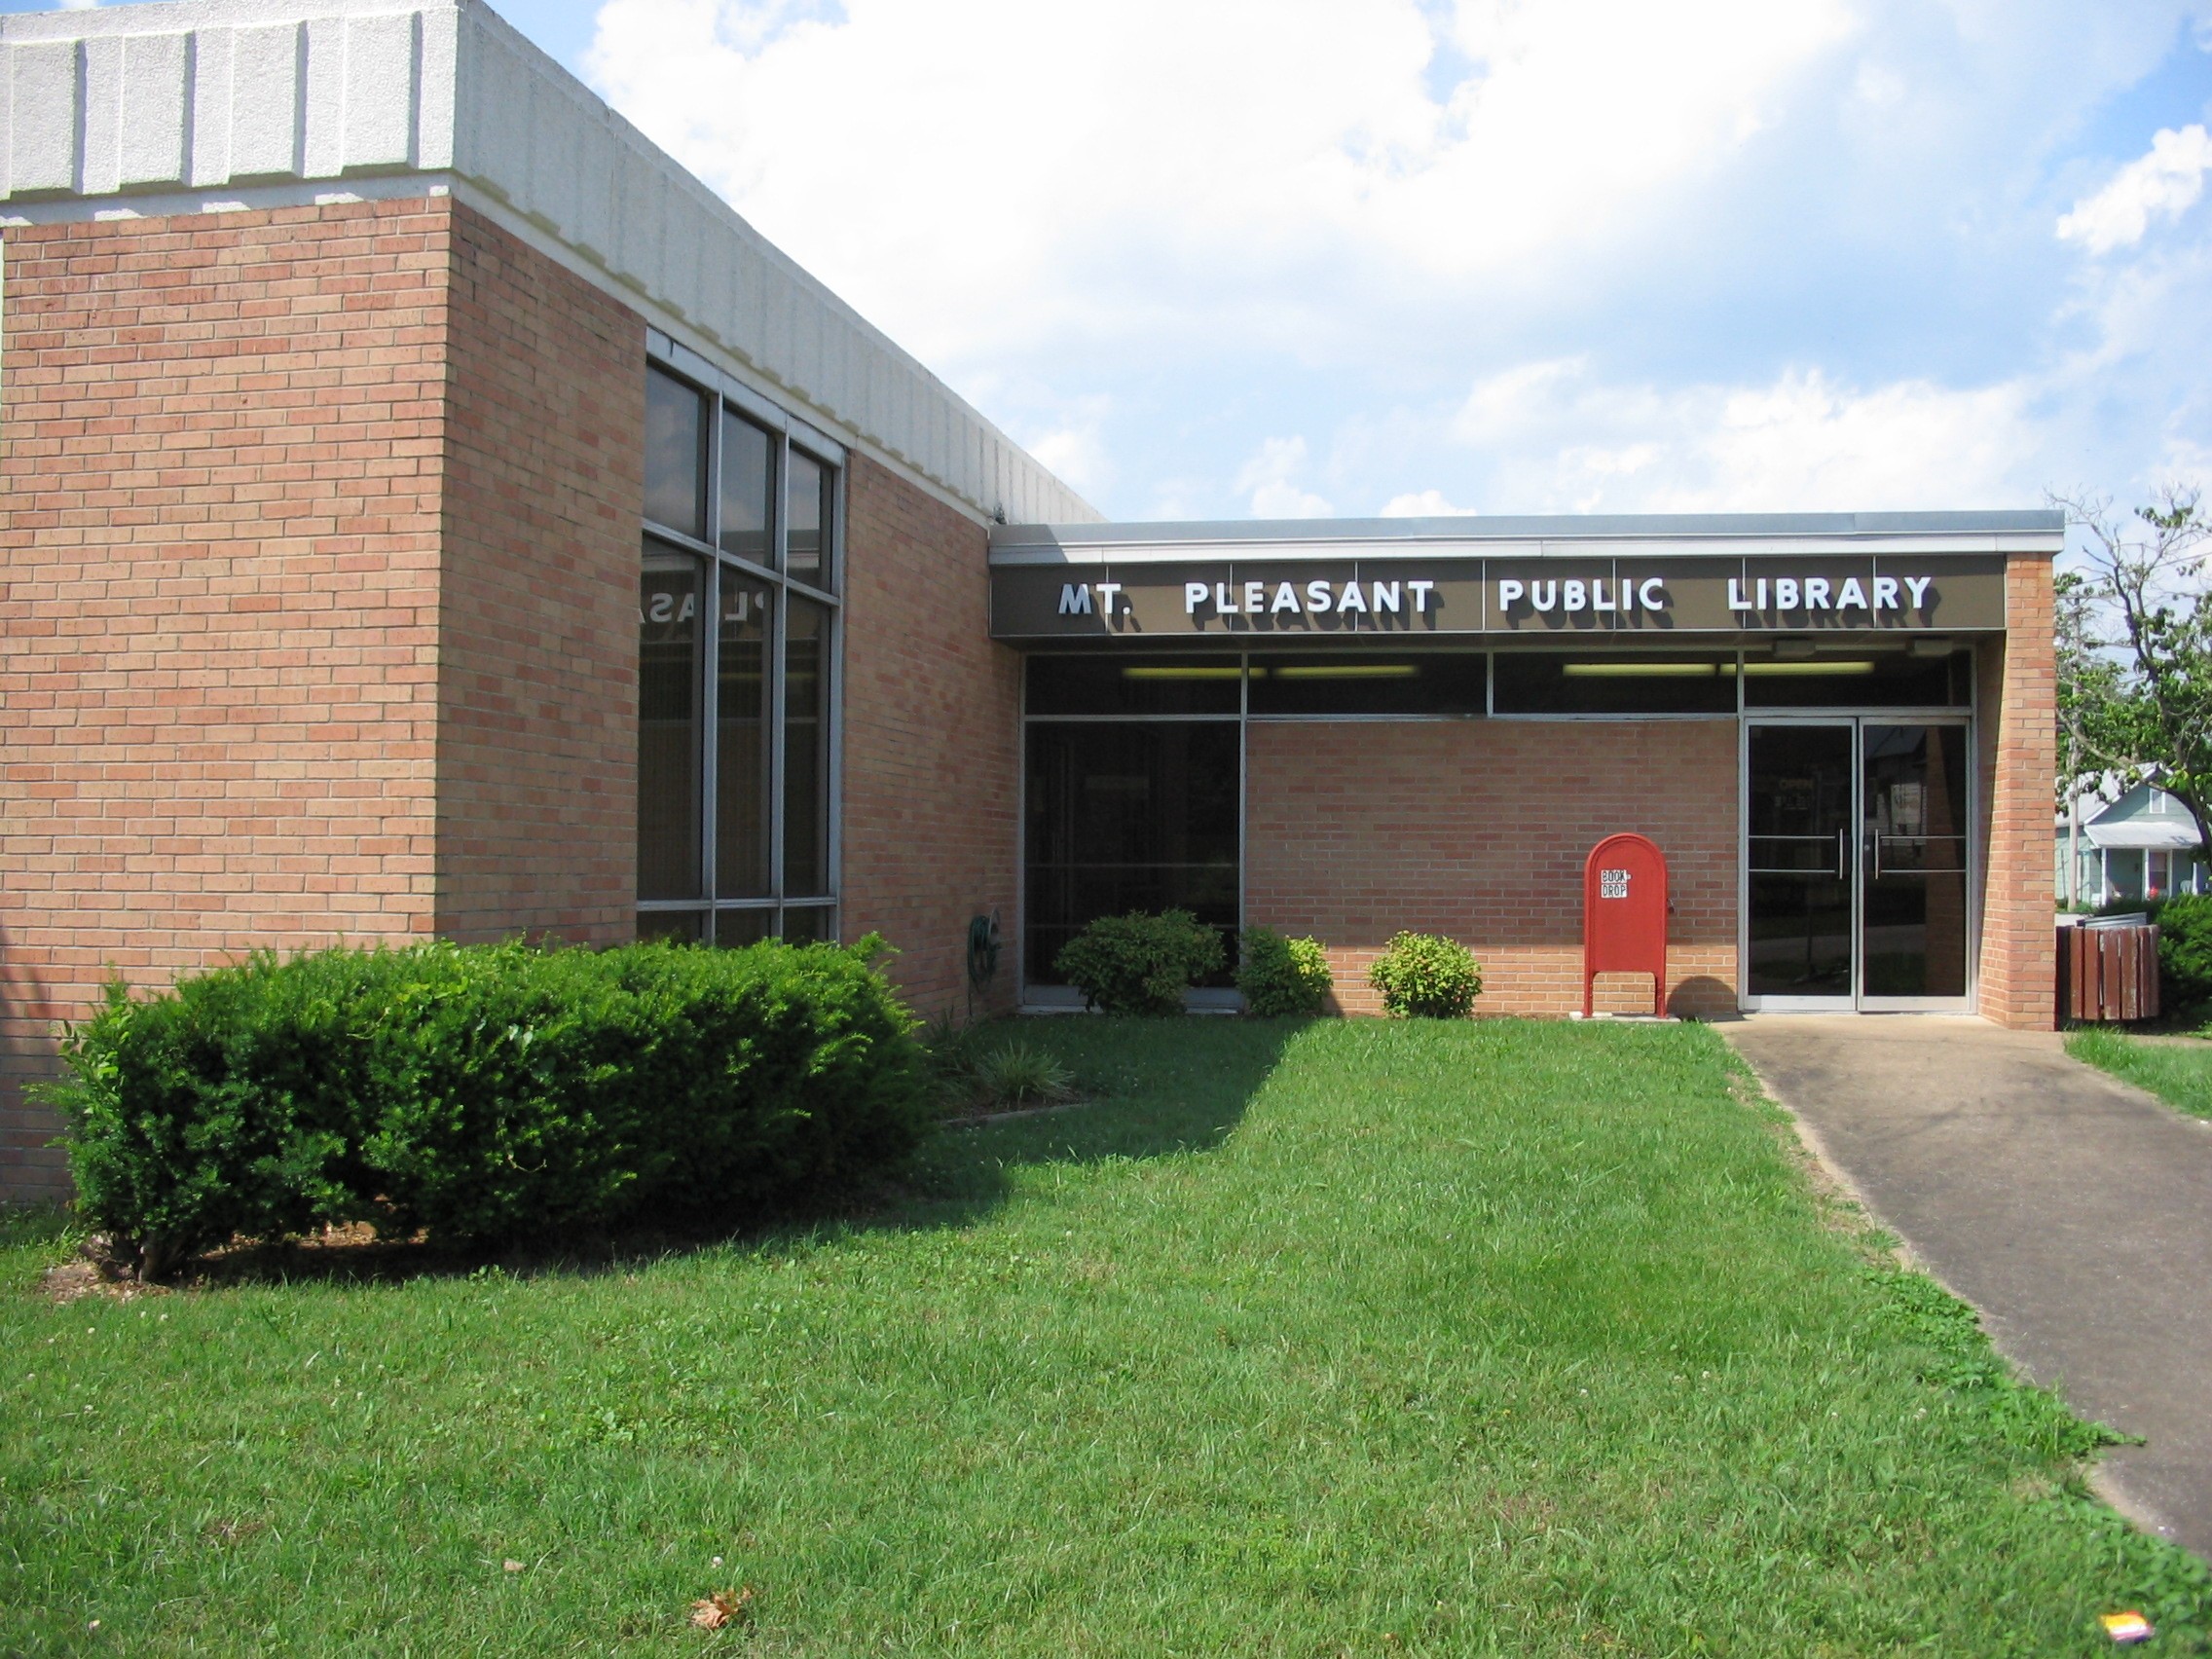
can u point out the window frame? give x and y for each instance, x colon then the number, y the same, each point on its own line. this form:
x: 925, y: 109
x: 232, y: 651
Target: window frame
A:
x: 720, y: 393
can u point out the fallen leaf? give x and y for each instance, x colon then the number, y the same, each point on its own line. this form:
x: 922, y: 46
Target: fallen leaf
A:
x: 719, y: 1608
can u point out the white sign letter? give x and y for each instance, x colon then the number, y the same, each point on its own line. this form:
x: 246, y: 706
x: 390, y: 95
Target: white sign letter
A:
x: 1509, y: 593
x: 1653, y: 595
x: 1106, y: 593
x: 1917, y: 586
x: 1736, y: 599
x: 1318, y: 597
x: 1350, y: 598
x: 1885, y: 593
x: 1419, y: 590
x: 1075, y: 600
x: 1816, y: 593
x: 1386, y: 596
x: 1852, y: 597
x: 1193, y: 596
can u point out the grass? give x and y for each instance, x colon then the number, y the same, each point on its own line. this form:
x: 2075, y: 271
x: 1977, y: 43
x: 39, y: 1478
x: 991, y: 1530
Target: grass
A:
x: 2180, y: 1076
x: 1348, y: 1338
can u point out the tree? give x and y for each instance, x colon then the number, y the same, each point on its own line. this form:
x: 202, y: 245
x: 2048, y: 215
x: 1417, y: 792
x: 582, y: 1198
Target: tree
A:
x: 2135, y: 651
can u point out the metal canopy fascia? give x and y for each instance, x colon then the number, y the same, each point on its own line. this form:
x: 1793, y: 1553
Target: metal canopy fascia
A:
x: 1732, y: 536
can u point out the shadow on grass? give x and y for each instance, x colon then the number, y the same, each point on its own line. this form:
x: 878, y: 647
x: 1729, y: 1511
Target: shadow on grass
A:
x: 1149, y: 1089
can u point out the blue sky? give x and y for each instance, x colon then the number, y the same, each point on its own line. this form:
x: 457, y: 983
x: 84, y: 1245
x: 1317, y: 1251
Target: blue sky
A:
x: 1230, y: 257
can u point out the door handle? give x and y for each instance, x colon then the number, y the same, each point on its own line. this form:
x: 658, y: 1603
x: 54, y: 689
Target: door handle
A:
x: 1843, y: 855
x: 1874, y: 846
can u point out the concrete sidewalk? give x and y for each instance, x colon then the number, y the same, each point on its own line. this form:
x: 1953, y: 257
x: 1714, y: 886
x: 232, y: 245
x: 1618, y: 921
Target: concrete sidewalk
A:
x: 2074, y: 1211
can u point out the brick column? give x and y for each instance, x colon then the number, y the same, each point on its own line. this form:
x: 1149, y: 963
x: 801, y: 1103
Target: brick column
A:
x: 2017, y: 697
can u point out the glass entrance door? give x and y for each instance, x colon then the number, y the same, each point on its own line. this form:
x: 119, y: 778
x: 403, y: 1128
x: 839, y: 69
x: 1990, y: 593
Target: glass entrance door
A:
x: 1912, y: 863
x: 1855, y: 854
x: 1799, y: 940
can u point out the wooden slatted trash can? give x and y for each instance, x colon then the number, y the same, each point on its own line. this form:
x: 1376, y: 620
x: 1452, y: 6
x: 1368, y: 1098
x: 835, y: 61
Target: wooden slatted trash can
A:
x: 2108, y: 969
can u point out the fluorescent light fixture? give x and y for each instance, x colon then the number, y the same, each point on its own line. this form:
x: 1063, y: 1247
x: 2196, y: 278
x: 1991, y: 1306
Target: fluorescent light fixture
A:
x: 1832, y: 666
x: 1349, y: 670
x: 1641, y: 669
x: 1181, y: 673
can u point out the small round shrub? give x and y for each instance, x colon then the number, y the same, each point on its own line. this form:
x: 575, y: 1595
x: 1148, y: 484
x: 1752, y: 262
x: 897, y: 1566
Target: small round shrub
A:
x: 1019, y: 1074
x: 2184, y: 948
x: 1140, y: 964
x: 1426, y: 976
x: 1282, y: 978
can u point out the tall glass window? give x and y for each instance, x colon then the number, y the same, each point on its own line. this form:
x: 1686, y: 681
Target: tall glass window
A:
x: 737, y: 687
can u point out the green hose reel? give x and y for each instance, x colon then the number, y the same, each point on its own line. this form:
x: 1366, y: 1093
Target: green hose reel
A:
x: 982, y: 949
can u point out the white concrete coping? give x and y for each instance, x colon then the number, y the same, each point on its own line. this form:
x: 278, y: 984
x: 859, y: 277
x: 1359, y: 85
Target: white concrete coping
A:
x: 208, y: 105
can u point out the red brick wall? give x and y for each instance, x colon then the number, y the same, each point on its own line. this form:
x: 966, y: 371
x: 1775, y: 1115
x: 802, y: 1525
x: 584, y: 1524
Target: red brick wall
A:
x: 1477, y: 830
x: 218, y: 652
x: 2017, y: 696
x: 538, y: 640
x: 932, y: 739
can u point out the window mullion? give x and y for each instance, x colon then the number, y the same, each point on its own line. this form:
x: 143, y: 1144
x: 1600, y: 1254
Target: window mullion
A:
x: 779, y: 626
x: 711, y: 644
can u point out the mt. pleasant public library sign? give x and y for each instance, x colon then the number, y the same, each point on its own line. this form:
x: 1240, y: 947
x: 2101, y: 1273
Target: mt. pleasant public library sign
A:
x: 1408, y: 593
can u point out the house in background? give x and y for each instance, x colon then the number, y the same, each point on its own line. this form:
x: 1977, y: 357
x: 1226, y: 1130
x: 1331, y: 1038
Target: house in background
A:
x: 2143, y: 845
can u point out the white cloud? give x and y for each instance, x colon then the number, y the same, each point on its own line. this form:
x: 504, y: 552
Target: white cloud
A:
x: 973, y: 173
x: 1559, y: 441
x: 1271, y: 475
x: 1425, y: 504
x: 2163, y: 183
x: 1075, y: 449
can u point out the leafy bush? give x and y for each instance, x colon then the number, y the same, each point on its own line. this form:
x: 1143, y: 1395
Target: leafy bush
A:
x: 1140, y: 964
x: 1018, y: 1074
x: 1426, y: 976
x: 487, y: 1093
x: 2184, y: 948
x: 1283, y: 977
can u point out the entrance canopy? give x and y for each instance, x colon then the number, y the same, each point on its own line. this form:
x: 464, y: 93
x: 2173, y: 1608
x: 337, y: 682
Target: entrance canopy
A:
x: 1396, y: 580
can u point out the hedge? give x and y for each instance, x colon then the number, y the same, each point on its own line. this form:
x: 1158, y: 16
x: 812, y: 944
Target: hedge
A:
x: 487, y: 1093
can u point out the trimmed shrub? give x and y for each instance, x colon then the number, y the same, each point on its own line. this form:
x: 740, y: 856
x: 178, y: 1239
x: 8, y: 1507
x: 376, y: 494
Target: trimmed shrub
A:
x: 1282, y: 979
x: 487, y: 1093
x: 1140, y: 964
x: 1426, y: 976
x: 2184, y: 948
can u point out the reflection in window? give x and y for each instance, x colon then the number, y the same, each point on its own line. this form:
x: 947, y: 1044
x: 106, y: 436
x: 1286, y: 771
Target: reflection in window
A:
x: 810, y: 510
x: 676, y: 454
x: 749, y: 485
x: 667, y: 727
x: 806, y: 748
x: 734, y: 690
x: 1127, y: 815
x: 741, y: 739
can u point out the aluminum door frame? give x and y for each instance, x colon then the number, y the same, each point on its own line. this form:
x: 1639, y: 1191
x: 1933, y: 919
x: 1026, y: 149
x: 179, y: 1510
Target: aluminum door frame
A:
x: 1858, y: 1001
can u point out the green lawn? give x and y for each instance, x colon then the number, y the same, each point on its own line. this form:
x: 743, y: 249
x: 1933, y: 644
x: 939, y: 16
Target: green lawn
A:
x: 2178, y: 1075
x: 1350, y: 1338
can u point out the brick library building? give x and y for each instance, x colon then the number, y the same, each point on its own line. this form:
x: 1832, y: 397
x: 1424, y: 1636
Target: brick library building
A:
x: 429, y: 512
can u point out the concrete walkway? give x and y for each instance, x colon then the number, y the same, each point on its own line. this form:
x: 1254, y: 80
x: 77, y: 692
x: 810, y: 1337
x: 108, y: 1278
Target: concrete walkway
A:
x: 2074, y: 1211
